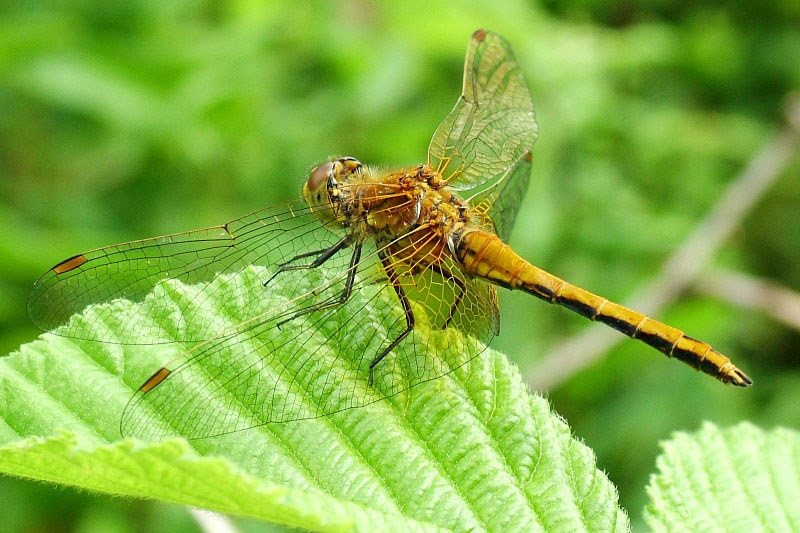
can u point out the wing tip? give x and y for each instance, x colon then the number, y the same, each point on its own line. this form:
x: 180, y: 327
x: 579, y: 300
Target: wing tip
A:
x: 155, y: 380
x: 70, y: 263
x: 479, y: 35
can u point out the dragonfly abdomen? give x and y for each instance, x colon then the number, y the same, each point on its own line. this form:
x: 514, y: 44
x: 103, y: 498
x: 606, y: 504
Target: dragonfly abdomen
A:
x: 484, y: 255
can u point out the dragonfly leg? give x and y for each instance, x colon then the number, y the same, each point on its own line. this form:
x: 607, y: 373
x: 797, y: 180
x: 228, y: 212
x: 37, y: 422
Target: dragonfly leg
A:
x: 337, y: 300
x: 401, y: 295
x: 462, y: 288
x: 322, y: 256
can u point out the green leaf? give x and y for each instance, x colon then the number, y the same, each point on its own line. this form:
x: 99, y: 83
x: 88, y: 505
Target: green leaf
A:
x: 740, y: 478
x: 470, y: 451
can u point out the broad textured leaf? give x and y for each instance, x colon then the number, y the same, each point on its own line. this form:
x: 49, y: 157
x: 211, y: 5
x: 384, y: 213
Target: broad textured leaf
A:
x: 470, y: 451
x: 740, y: 478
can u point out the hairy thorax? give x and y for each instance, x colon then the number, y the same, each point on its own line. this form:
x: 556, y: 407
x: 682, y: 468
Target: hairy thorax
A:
x: 410, y: 211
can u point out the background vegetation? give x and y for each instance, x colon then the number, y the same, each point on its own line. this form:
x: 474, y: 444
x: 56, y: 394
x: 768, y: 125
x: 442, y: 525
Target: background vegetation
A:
x: 121, y: 120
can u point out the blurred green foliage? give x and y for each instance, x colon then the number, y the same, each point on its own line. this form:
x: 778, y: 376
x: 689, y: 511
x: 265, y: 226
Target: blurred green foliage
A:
x: 122, y: 120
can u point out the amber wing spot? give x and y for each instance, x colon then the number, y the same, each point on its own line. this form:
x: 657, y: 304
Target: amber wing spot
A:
x: 154, y: 380
x: 68, y: 264
x: 528, y: 157
x: 479, y: 35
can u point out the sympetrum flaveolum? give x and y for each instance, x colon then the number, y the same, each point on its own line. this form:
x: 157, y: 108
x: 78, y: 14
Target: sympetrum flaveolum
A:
x: 422, y: 247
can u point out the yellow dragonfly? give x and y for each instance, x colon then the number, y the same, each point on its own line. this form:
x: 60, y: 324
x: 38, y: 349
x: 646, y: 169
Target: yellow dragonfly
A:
x: 399, y: 268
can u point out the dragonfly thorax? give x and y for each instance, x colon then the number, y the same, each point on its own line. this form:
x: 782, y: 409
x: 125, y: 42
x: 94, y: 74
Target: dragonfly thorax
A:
x: 411, y: 212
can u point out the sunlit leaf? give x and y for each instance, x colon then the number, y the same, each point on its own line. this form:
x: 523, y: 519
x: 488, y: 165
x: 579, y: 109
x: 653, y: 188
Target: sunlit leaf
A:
x: 740, y: 478
x: 470, y: 451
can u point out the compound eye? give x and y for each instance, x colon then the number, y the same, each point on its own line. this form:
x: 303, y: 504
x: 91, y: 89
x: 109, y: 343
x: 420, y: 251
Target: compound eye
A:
x: 319, y: 177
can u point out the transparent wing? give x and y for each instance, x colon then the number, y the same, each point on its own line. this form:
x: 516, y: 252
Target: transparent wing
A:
x: 132, y: 270
x: 247, y: 378
x: 497, y: 206
x: 492, y: 126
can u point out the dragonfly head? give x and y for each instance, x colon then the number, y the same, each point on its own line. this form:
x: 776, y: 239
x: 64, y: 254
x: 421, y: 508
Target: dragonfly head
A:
x: 321, y: 189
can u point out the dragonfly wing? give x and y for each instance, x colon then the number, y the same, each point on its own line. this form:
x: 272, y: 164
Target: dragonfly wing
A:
x: 136, y: 269
x: 492, y: 126
x: 497, y: 206
x: 318, y: 363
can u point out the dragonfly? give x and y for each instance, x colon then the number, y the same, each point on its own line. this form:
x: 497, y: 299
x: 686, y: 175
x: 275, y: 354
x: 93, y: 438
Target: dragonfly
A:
x: 397, y: 269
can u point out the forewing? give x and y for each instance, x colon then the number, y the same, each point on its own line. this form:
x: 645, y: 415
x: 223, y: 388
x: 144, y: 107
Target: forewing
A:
x: 492, y: 126
x: 318, y: 363
x: 140, y: 270
x: 497, y: 207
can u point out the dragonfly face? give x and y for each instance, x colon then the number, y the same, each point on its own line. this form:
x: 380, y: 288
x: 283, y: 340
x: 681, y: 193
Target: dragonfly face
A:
x: 322, y: 189
x: 422, y: 247
x: 315, y: 192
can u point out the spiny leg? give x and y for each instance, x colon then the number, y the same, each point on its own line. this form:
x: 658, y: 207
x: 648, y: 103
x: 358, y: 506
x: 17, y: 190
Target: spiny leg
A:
x: 334, y: 301
x: 322, y: 256
x: 462, y: 288
x: 401, y: 295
